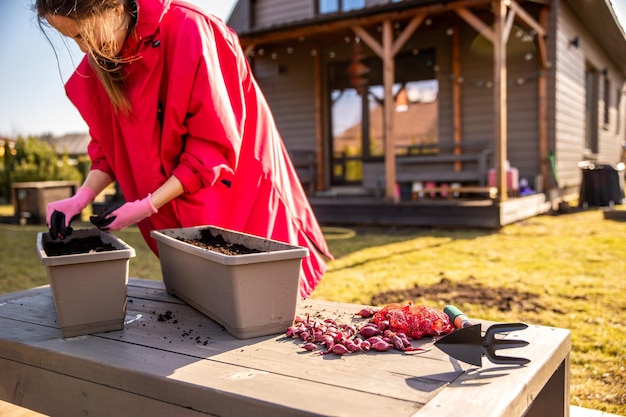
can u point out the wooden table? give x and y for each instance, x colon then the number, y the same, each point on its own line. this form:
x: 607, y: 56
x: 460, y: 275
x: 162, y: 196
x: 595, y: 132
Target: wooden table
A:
x: 183, y: 364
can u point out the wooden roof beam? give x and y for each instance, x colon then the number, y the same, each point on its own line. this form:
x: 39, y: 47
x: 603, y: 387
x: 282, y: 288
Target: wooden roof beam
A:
x: 510, y: 19
x: 475, y: 22
x: 287, y: 33
x: 399, y: 42
x: 537, y: 27
x: 406, y: 34
x: 527, y: 18
x: 369, y: 40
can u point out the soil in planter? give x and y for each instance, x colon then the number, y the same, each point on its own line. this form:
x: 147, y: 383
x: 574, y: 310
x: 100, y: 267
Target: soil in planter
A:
x: 75, y: 246
x: 218, y: 244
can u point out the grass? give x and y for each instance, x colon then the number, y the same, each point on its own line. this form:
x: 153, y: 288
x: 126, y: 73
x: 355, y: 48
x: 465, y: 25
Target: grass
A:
x: 563, y: 271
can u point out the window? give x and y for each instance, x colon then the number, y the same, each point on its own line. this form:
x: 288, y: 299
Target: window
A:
x: 618, y: 109
x: 607, y: 99
x: 591, y: 110
x: 333, y: 6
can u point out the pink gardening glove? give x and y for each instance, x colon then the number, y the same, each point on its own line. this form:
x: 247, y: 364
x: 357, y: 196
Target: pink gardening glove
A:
x: 125, y: 215
x: 60, y: 214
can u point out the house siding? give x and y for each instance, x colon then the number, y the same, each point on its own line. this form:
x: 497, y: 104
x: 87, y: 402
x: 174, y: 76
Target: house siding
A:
x: 522, y: 95
x: 570, y: 100
x: 287, y: 80
x: 273, y: 12
x: 240, y: 17
x: 287, y: 83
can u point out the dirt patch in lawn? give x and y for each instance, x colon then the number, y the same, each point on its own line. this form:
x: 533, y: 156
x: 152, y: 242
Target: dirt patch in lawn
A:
x: 451, y: 292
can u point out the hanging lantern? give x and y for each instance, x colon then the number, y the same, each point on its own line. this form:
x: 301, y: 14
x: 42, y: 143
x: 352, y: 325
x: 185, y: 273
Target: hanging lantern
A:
x: 357, y: 70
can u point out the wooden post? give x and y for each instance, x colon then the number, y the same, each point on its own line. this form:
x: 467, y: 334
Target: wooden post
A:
x: 543, y: 109
x: 319, y: 123
x: 456, y: 96
x: 500, y: 98
x: 389, y: 79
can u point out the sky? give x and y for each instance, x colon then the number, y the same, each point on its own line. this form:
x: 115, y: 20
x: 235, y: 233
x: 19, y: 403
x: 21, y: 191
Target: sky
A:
x: 32, y: 78
x: 32, y: 94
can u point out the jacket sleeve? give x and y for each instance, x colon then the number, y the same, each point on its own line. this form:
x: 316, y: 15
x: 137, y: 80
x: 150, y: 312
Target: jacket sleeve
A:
x: 98, y: 160
x: 205, y: 94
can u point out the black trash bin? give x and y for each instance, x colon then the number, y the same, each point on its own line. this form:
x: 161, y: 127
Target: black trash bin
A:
x: 601, y: 185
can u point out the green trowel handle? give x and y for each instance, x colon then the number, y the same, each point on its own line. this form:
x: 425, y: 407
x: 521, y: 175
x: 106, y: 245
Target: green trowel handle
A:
x: 457, y: 317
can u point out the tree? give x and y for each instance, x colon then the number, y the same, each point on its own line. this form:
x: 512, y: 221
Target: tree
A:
x: 34, y: 160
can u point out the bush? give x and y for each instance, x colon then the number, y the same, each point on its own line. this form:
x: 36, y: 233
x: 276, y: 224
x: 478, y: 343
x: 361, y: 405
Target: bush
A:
x: 34, y: 160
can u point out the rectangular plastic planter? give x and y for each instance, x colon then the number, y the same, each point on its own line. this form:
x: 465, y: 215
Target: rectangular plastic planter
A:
x: 250, y: 295
x: 89, y: 289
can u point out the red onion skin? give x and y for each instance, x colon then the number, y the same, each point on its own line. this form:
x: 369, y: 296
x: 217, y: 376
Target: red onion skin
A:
x: 406, y: 342
x: 384, y: 325
x: 397, y: 342
x: 381, y: 346
x: 310, y: 346
x: 318, y: 337
x: 341, y: 339
x: 339, y: 349
x: 349, y: 329
x: 331, y: 322
x: 366, y: 313
x: 369, y: 331
x: 375, y: 339
x: 350, y: 345
x: 329, y: 341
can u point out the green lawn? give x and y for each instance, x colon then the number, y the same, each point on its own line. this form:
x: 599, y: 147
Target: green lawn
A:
x: 564, y: 271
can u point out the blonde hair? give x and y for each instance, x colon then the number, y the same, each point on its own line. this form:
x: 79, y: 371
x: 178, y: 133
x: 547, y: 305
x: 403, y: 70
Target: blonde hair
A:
x: 92, y: 17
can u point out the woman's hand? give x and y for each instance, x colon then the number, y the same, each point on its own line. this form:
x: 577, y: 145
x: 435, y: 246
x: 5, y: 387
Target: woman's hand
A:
x: 119, y: 218
x: 60, y: 214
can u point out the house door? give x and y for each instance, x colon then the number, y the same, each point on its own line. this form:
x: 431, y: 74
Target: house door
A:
x: 356, y: 112
x: 349, y: 120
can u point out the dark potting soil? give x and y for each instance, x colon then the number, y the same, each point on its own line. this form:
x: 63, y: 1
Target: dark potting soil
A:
x: 77, y: 245
x: 218, y: 244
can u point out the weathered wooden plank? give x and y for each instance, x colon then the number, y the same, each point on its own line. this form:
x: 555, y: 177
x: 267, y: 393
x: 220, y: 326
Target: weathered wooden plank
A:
x: 518, y: 386
x: 60, y: 395
x: 194, y: 334
x: 190, y: 361
x: 282, y: 358
x: 199, y: 384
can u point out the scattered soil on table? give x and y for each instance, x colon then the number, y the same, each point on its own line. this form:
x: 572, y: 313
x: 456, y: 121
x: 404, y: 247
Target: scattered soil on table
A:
x: 451, y: 292
x: 186, y: 335
x: 218, y: 244
x: 75, y: 246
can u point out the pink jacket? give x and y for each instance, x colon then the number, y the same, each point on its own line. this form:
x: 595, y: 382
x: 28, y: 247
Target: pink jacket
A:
x: 198, y: 114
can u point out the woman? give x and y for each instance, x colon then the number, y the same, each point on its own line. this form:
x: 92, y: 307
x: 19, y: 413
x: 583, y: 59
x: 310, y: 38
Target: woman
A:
x: 177, y: 119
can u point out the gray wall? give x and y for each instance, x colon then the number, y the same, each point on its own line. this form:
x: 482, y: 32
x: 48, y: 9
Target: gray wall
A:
x: 571, y: 64
x: 287, y: 81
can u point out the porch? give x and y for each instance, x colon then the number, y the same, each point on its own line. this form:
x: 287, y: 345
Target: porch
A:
x: 350, y: 207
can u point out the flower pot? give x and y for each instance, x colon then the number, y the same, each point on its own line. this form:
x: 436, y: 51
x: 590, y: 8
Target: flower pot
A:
x: 89, y: 289
x: 250, y: 295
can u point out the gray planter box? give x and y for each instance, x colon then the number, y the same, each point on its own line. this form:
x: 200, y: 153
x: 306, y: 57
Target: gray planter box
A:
x: 249, y: 294
x: 89, y: 289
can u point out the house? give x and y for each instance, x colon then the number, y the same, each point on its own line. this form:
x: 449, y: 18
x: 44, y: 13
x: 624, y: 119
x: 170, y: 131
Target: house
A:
x: 73, y: 145
x: 392, y: 96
